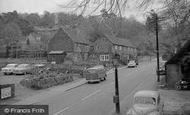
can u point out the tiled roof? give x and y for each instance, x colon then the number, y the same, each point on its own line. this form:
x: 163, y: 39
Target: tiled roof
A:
x: 120, y: 41
x: 76, y: 35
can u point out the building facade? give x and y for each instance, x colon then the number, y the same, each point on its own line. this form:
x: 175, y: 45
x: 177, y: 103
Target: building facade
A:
x: 71, y: 42
x: 106, y: 47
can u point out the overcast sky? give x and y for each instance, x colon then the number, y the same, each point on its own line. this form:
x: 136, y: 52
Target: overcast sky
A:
x: 39, y: 6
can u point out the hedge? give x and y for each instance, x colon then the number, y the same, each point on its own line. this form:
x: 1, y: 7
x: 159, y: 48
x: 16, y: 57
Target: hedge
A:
x: 37, y: 82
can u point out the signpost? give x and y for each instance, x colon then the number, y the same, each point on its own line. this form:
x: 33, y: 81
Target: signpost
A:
x: 7, y: 91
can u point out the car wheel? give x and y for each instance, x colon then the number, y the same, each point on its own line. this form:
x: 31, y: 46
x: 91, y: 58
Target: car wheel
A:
x: 5, y: 73
x: 178, y: 87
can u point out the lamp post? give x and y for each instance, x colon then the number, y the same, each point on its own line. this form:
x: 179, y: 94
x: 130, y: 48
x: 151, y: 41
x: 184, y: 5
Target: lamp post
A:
x: 116, y: 97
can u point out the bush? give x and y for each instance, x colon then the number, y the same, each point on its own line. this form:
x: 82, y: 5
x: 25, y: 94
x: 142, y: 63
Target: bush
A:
x: 39, y: 82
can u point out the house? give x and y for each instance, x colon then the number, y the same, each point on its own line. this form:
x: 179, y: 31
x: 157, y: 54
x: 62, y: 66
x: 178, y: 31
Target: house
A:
x: 73, y: 41
x: 107, y: 46
x: 178, y: 66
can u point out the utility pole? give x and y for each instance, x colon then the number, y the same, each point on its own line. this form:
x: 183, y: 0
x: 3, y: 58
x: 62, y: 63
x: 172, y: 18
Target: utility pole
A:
x: 157, y: 47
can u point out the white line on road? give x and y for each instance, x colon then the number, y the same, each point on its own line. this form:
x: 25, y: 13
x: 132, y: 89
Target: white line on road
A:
x: 84, y: 98
x: 59, y: 112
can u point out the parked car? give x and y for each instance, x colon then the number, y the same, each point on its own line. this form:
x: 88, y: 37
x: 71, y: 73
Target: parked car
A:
x: 22, y: 69
x: 162, y: 70
x: 39, y: 65
x: 8, y: 69
x: 183, y: 84
x: 95, y: 74
x: 146, y: 102
x: 132, y: 63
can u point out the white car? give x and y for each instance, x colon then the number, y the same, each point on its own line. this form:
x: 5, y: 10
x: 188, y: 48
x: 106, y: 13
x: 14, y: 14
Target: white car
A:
x: 146, y: 102
x: 9, y: 68
x: 22, y: 69
x: 132, y: 63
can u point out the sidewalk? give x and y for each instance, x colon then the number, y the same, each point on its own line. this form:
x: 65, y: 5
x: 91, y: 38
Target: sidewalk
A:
x: 52, y: 92
x: 29, y: 96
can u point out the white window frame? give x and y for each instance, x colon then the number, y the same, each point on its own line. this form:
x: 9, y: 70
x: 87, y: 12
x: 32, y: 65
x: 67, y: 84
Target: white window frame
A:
x: 120, y: 47
x: 116, y: 47
x: 104, y: 57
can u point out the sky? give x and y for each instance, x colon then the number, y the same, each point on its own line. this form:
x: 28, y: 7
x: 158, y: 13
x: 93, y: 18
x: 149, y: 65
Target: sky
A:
x: 39, y: 6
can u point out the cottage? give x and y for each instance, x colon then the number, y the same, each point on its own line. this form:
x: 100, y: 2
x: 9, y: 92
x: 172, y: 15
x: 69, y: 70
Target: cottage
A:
x: 178, y: 66
x: 72, y: 41
x: 106, y: 46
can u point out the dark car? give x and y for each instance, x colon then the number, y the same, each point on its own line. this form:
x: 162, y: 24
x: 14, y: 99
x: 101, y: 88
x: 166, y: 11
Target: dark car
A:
x: 183, y: 84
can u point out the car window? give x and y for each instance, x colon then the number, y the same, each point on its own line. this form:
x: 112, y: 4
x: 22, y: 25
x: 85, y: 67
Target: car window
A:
x: 11, y: 65
x: 145, y: 100
x: 131, y: 61
x: 23, y: 65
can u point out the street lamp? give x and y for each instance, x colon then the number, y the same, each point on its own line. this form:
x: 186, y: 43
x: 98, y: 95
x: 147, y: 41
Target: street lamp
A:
x: 116, y: 97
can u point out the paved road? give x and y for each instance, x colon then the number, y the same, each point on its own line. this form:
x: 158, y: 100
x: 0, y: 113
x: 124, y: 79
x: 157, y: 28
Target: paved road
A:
x: 97, y: 99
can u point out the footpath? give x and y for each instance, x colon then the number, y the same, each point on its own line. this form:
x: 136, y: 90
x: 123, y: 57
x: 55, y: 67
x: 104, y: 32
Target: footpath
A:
x: 25, y: 96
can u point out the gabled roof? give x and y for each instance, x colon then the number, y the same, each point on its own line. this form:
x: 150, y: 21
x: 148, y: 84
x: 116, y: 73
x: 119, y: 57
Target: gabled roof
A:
x: 76, y: 35
x: 177, y: 57
x: 120, y: 41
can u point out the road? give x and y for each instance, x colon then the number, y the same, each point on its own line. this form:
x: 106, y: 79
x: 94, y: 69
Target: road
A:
x: 97, y: 99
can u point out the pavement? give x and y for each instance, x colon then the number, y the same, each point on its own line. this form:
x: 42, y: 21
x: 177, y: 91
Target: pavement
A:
x: 51, y: 93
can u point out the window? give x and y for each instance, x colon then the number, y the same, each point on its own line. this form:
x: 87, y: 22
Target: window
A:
x: 120, y: 47
x: 104, y: 57
x: 115, y: 47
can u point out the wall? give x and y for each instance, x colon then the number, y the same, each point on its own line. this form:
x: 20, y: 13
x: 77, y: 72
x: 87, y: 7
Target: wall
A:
x: 173, y: 75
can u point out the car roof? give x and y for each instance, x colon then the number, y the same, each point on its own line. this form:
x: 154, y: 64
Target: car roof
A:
x: 97, y: 67
x: 12, y: 64
x: 146, y: 93
x: 23, y: 64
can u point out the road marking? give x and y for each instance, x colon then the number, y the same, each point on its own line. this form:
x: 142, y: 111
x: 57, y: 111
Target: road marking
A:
x: 84, y: 98
x: 59, y: 112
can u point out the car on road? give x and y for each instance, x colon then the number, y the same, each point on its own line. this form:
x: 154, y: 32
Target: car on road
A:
x: 132, y: 63
x: 22, y: 69
x: 183, y: 84
x: 96, y: 74
x: 146, y: 102
x: 162, y: 70
x: 9, y: 68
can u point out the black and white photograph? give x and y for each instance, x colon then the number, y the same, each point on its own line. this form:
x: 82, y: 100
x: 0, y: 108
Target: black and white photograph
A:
x: 94, y: 57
